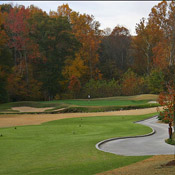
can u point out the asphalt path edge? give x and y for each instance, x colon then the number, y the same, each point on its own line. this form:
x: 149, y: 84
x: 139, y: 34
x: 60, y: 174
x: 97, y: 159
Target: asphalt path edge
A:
x: 117, y: 138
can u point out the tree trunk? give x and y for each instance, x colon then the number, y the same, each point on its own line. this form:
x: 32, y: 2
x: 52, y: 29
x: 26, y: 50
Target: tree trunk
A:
x: 90, y: 63
x: 20, y: 67
x: 174, y: 113
x: 15, y: 56
x: 26, y: 64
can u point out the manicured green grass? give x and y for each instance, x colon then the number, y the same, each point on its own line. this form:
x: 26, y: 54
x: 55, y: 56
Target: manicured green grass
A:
x: 111, y: 101
x: 104, y: 102
x: 66, y: 147
x: 171, y: 141
x: 134, y: 97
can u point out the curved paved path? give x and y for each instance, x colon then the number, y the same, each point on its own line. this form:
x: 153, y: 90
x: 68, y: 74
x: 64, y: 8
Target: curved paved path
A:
x: 149, y: 145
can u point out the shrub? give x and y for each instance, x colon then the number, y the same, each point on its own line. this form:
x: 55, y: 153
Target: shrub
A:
x: 101, y: 88
x: 57, y: 97
x: 132, y: 84
x: 171, y: 141
x: 155, y: 82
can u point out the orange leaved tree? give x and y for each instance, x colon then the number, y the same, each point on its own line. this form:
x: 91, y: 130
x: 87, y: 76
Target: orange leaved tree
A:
x: 74, y: 86
x: 167, y: 100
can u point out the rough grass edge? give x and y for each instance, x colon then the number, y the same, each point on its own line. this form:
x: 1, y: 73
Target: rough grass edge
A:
x: 107, y: 108
x: 171, y: 141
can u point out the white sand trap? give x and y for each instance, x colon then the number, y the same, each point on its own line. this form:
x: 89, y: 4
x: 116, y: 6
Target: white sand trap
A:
x: 152, y: 102
x: 30, y: 109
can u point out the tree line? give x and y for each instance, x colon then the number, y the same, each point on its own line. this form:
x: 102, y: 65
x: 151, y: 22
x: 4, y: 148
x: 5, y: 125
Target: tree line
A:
x: 64, y: 54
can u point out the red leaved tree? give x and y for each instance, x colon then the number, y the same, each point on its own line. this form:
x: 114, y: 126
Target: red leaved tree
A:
x: 167, y: 100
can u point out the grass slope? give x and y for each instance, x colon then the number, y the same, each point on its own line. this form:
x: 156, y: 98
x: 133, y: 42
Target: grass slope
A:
x: 111, y: 101
x: 66, y: 146
x: 106, y: 102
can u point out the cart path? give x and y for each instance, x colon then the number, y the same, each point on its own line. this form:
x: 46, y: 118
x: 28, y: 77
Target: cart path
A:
x: 149, y: 145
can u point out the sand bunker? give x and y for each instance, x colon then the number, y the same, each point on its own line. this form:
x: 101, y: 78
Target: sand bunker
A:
x: 151, y: 102
x: 8, y: 120
x: 30, y: 109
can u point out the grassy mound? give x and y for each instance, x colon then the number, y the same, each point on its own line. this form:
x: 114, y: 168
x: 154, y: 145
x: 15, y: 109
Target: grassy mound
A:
x: 171, y: 141
x: 107, y: 108
x: 66, y: 146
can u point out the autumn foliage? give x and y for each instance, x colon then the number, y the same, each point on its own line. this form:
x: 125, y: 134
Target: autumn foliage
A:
x: 131, y: 84
x: 65, y: 54
x: 74, y: 85
x: 167, y: 100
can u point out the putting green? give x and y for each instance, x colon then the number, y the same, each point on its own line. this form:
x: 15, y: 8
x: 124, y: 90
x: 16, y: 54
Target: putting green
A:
x: 105, y: 102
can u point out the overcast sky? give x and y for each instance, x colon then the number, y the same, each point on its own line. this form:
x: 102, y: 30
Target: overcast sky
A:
x: 108, y: 13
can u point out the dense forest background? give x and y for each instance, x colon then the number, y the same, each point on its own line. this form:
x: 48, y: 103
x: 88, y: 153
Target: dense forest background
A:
x: 64, y: 54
